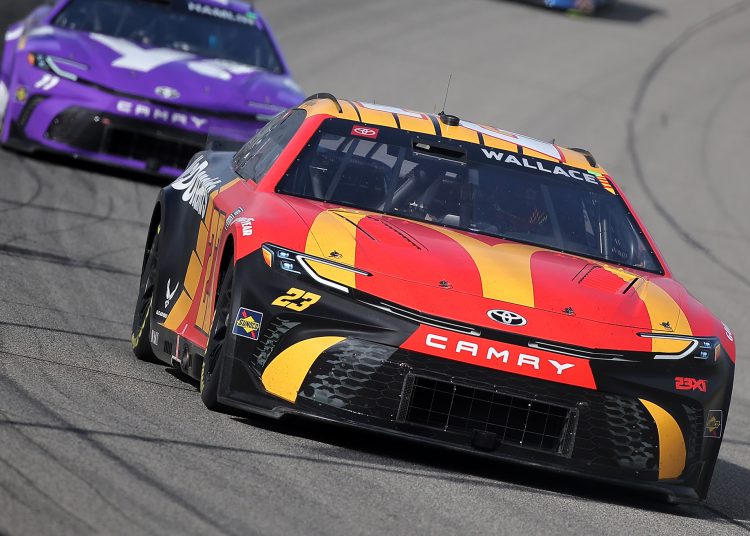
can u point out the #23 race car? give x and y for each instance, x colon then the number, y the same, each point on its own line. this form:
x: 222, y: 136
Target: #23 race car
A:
x: 140, y: 84
x: 440, y: 280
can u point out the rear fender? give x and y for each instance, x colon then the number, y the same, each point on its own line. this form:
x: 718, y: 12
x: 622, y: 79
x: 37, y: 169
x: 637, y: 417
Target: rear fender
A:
x: 191, y: 229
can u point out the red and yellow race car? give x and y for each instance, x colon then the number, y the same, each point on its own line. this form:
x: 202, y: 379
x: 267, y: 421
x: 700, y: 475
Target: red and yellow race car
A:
x: 440, y: 280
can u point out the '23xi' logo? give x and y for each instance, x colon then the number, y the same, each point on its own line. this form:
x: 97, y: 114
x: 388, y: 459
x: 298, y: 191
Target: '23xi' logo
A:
x: 689, y: 384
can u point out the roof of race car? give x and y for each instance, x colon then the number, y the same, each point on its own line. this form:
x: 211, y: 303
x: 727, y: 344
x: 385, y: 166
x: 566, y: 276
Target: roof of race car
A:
x: 503, y: 140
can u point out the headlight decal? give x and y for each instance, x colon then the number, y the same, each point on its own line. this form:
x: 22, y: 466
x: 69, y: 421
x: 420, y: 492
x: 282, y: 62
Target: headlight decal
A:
x: 697, y: 347
x: 319, y: 270
x: 56, y: 65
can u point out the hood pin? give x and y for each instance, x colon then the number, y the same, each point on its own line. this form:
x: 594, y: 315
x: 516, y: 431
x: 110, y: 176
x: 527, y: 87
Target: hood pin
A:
x: 444, y: 284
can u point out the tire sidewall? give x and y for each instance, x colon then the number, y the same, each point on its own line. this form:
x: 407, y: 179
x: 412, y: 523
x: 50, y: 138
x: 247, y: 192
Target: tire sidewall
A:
x: 141, y: 334
x: 210, y: 383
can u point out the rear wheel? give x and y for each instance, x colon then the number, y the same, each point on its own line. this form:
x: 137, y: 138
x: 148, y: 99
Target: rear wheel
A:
x: 140, y: 339
x: 217, y: 342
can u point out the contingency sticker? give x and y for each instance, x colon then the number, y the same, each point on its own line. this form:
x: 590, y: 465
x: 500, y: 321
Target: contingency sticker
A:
x: 248, y: 323
x: 713, y: 423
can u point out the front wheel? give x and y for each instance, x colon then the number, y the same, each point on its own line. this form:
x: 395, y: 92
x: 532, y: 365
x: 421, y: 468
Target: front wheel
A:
x: 217, y: 343
x: 140, y: 338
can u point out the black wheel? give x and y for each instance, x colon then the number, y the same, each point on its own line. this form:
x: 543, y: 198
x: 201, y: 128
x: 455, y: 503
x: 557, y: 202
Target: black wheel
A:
x: 218, y: 341
x: 140, y: 339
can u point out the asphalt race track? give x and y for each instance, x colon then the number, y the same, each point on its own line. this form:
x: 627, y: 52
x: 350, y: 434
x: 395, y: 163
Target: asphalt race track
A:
x: 94, y: 441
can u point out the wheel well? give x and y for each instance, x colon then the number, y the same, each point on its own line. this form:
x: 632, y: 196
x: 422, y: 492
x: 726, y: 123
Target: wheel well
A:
x: 152, y: 227
x: 227, y: 256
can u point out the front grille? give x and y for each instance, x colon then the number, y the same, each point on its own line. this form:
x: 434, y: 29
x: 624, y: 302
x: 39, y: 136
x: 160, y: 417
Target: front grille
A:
x: 466, y: 410
x: 269, y: 340
x: 156, y: 145
x: 145, y: 147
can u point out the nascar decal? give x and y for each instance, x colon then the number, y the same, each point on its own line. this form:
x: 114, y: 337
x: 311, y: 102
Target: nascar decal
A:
x: 604, y: 179
x: 197, y: 185
x: 501, y: 356
x: 247, y: 324
x: 541, y: 165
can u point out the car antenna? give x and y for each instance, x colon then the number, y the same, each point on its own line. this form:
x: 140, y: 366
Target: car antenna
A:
x: 450, y: 120
x: 450, y: 76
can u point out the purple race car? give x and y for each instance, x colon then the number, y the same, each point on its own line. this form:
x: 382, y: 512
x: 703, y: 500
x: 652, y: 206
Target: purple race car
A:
x: 140, y: 84
x: 582, y: 6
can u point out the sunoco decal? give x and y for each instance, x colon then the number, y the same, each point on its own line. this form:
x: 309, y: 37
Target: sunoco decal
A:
x: 247, y: 324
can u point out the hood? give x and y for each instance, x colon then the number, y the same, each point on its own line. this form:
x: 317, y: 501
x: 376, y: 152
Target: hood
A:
x: 170, y: 76
x: 416, y: 257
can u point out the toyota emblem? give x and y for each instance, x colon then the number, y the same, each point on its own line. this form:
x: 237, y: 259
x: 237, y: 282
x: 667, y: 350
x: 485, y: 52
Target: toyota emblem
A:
x: 365, y: 132
x: 509, y: 318
x: 167, y: 92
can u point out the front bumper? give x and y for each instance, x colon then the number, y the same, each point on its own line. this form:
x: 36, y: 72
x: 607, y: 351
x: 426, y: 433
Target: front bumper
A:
x: 90, y: 122
x: 629, y: 430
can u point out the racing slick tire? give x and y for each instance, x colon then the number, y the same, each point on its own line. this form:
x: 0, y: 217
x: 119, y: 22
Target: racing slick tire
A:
x: 217, y: 343
x: 139, y: 339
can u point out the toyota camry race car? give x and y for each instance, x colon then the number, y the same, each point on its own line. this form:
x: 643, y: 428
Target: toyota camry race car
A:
x: 439, y: 280
x: 141, y: 84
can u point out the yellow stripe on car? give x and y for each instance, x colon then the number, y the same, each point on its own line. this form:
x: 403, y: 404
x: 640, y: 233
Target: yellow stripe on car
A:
x: 284, y: 375
x: 671, y: 442
x: 505, y: 269
x: 661, y: 307
x: 335, y: 230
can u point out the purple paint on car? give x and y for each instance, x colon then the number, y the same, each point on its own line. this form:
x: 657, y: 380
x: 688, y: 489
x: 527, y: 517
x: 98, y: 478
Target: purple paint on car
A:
x: 140, y: 84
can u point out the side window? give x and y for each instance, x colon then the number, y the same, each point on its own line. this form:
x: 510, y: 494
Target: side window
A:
x: 258, y: 155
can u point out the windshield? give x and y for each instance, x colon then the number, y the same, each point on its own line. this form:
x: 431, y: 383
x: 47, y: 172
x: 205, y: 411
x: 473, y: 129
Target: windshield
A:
x: 187, y: 26
x: 469, y: 187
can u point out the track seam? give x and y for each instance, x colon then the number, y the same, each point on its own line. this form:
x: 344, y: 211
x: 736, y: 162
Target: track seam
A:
x: 643, y: 87
x: 95, y: 371
x: 63, y: 260
x: 65, y: 331
x: 661, y: 60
